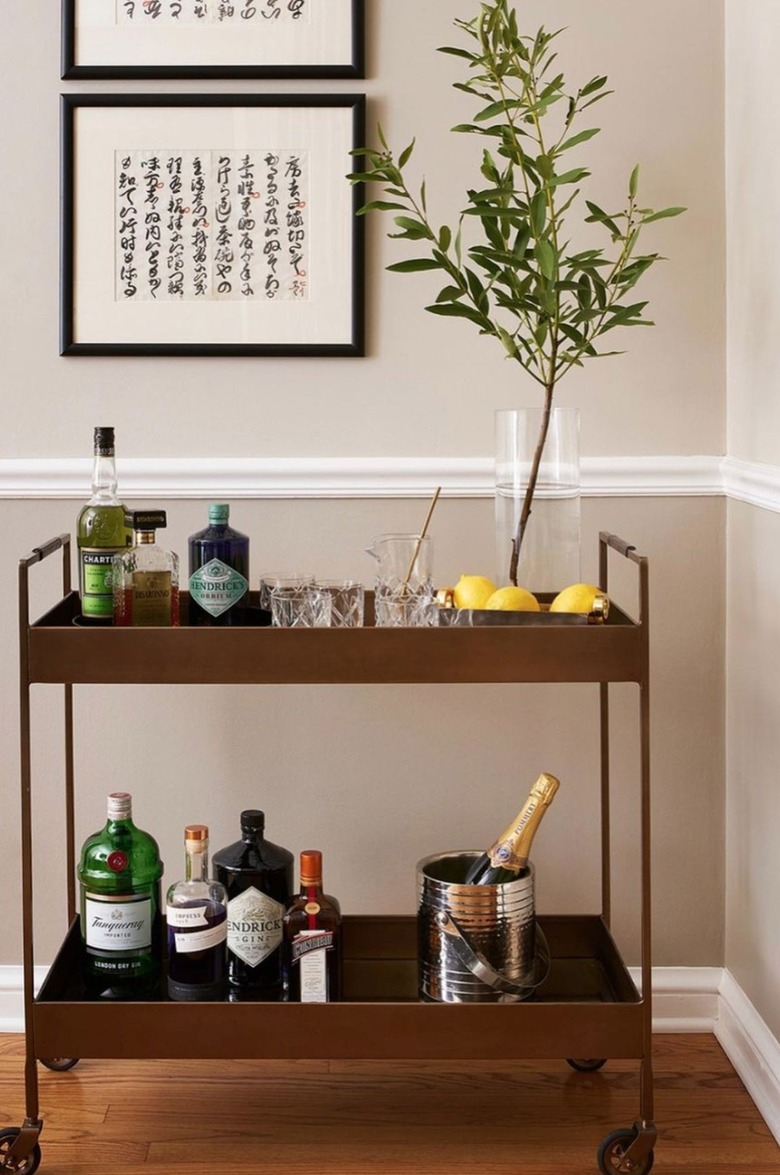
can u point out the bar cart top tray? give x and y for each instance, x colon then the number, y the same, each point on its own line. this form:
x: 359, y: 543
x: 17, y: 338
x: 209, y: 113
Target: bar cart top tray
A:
x: 62, y: 651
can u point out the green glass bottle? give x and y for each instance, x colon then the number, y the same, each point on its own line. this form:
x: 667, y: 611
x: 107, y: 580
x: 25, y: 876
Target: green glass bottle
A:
x: 121, y: 929
x: 507, y: 858
x: 102, y: 531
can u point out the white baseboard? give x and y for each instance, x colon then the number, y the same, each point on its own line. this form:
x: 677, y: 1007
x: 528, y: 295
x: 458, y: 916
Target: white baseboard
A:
x: 12, y: 996
x: 752, y: 1049
x: 685, y: 999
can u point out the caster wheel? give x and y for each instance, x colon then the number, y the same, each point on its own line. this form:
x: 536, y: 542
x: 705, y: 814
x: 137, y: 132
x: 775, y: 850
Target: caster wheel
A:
x: 611, y: 1155
x: 22, y: 1166
x: 587, y: 1065
x: 59, y: 1064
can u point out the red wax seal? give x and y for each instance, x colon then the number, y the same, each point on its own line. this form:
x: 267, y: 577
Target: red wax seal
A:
x: 117, y: 861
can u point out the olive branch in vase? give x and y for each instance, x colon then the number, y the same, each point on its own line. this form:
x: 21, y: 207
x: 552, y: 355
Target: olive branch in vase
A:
x: 547, y: 305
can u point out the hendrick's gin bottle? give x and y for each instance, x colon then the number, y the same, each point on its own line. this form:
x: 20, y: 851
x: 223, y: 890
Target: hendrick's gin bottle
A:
x: 258, y: 877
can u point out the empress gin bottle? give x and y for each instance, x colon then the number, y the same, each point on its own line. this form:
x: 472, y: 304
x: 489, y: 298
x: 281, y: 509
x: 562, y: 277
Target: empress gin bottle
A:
x: 196, y: 913
x: 312, y: 939
x: 258, y: 877
x: 102, y: 532
x: 219, y: 570
x: 119, y: 874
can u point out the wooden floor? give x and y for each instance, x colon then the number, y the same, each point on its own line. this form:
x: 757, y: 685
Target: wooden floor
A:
x: 394, y: 1118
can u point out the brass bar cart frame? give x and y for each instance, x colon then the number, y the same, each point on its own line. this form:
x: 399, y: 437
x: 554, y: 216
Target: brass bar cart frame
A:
x: 588, y: 1008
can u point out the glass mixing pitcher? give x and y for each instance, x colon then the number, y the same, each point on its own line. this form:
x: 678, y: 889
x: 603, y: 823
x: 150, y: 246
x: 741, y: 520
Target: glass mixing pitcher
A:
x: 403, y: 587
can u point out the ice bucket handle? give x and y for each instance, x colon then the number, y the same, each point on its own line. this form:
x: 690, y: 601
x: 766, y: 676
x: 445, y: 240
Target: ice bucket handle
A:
x: 479, y: 966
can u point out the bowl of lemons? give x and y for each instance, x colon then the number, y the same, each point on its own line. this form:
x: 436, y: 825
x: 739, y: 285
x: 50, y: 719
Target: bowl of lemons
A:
x: 478, y: 600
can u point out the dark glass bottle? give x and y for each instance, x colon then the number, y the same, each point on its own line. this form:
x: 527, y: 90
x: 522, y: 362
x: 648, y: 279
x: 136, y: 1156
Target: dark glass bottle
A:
x: 121, y: 928
x: 219, y: 571
x: 258, y: 878
x: 196, y: 913
x: 507, y: 858
x: 101, y: 532
x: 312, y: 939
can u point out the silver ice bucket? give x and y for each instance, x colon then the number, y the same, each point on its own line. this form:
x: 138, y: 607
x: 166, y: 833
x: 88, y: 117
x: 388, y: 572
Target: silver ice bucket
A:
x: 476, y: 943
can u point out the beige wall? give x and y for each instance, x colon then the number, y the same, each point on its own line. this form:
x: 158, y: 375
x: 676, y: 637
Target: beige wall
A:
x: 379, y: 777
x: 753, y: 821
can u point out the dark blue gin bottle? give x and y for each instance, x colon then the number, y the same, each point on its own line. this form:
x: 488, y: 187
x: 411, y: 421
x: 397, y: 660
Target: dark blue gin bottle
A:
x: 219, y: 571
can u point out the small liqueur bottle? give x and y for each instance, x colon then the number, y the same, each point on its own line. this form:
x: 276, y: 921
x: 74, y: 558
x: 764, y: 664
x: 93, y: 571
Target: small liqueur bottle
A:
x: 146, y: 578
x: 258, y: 877
x: 506, y: 859
x: 196, y: 913
x: 119, y: 874
x: 101, y: 532
x: 312, y: 939
x: 219, y: 570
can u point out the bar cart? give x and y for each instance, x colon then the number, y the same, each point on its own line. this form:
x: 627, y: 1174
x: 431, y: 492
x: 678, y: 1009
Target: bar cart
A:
x: 587, y: 1010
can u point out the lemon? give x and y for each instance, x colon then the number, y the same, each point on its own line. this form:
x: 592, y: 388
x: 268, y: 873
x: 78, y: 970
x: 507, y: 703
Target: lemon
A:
x: 578, y: 597
x: 512, y: 599
x: 473, y: 591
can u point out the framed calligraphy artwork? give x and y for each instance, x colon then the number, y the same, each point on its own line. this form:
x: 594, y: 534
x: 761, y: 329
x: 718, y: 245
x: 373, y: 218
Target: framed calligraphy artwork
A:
x: 215, y: 224
x: 212, y: 38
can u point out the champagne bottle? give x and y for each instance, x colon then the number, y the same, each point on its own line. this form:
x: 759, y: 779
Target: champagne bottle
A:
x: 506, y: 859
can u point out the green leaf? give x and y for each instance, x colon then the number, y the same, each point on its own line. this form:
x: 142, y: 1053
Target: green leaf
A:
x: 633, y: 183
x: 380, y: 206
x: 445, y: 238
x: 416, y: 265
x: 538, y: 213
x: 406, y: 154
x: 496, y: 108
x: 582, y: 137
x: 545, y: 255
x: 663, y: 214
x: 592, y: 86
x: 454, y: 52
x: 415, y: 229
x: 570, y: 177
x: 450, y: 294
x: 598, y: 215
x: 510, y: 346
x: 456, y: 310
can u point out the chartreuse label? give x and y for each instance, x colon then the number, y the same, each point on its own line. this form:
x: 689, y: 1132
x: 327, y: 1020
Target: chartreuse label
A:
x: 217, y: 587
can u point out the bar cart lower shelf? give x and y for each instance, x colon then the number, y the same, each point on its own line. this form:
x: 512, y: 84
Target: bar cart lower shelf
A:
x: 588, y: 1010
x: 588, y: 1002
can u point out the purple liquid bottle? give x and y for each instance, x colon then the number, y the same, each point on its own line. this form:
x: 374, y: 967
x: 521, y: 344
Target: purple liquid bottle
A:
x: 219, y: 571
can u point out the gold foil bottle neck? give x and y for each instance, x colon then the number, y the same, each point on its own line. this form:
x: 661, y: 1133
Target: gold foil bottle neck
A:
x: 196, y: 832
x: 545, y: 788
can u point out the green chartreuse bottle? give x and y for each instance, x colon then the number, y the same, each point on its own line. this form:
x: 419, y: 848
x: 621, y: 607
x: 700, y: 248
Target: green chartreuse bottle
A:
x: 101, y: 532
x: 506, y: 859
x: 121, y: 929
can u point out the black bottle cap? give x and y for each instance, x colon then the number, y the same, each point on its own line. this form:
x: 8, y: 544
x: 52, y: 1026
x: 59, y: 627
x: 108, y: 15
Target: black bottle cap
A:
x: 146, y: 519
x: 104, y: 440
x: 252, y: 820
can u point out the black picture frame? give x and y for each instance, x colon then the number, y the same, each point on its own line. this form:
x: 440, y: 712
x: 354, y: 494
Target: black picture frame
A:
x: 91, y: 316
x: 351, y: 66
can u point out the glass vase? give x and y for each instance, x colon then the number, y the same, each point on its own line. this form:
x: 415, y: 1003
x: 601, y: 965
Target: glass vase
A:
x: 549, y: 557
